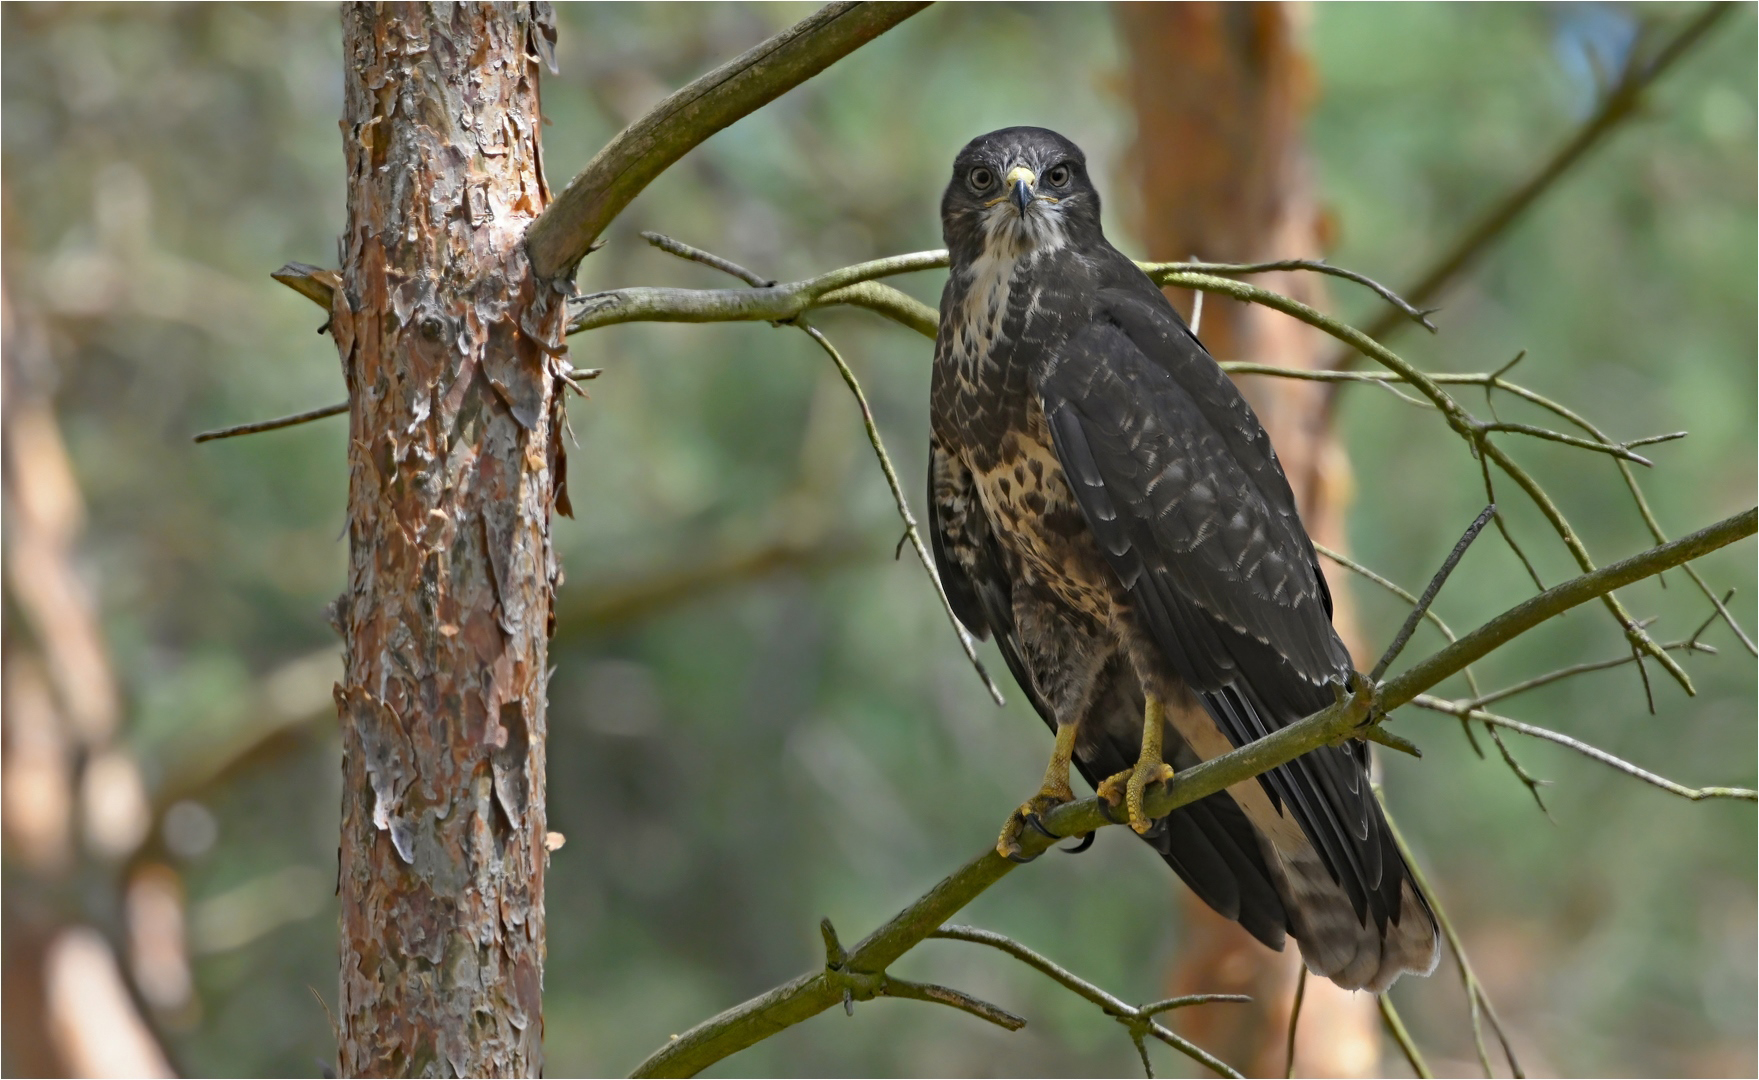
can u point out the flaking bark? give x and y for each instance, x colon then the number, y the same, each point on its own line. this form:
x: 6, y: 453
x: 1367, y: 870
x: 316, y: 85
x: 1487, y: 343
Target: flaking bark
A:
x: 448, y: 344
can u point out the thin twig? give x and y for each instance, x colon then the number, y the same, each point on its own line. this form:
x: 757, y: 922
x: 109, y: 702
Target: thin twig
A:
x: 1429, y: 593
x: 695, y: 254
x: 272, y: 425
x: 1502, y: 526
x: 910, y: 529
x: 1533, y: 783
x: 1318, y: 266
x: 1478, y: 1002
x: 1295, y: 1020
x: 1396, y: 1026
x: 853, y: 985
x: 1615, y: 449
x: 1399, y: 591
x: 1480, y: 700
x: 1637, y: 496
x: 1490, y: 719
x: 958, y: 999
x: 1138, y: 1020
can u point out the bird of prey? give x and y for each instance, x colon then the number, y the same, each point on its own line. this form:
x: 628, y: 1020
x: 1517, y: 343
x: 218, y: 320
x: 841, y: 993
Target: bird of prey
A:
x: 1108, y: 507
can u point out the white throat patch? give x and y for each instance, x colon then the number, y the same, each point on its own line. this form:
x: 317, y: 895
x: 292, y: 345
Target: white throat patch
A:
x: 1010, y: 241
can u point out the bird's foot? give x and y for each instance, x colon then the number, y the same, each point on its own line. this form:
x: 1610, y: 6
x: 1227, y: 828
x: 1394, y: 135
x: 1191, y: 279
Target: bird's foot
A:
x: 1030, y: 815
x: 1129, y: 788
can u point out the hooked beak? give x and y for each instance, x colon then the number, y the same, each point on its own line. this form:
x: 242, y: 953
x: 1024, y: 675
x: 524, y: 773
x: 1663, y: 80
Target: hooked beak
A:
x: 1020, y: 183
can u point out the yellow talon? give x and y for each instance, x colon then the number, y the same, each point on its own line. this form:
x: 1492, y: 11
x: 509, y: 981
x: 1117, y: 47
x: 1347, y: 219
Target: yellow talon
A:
x: 1052, y: 793
x: 1131, y: 785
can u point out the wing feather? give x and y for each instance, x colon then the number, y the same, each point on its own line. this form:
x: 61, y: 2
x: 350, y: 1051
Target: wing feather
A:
x: 1209, y: 844
x: 1180, y: 487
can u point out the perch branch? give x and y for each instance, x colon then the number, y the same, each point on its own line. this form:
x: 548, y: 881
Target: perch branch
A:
x: 563, y: 234
x: 812, y: 993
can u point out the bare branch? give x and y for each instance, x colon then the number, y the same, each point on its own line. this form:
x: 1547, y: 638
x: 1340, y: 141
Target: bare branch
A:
x: 562, y: 235
x: 1478, y: 1002
x: 1619, y: 104
x: 774, y: 303
x: 695, y: 254
x: 1397, y: 590
x: 1428, y: 597
x: 1318, y: 266
x: 810, y: 994
x: 958, y: 999
x: 272, y: 425
x: 910, y: 530
x: 1138, y: 1020
x: 1523, y: 617
x: 1615, y: 449
x: 1463, y: 424
x: 1406, y: 1045
x: 1460, y: 709
x: 1479, y: 700
x: 1295, y: 1020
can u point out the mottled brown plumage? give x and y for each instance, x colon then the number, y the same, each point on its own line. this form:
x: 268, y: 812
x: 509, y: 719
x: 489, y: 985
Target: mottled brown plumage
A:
x: 1106, y: 505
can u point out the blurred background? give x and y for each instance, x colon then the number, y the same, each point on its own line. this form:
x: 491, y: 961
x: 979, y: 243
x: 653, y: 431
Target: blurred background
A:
x: 757, y: 717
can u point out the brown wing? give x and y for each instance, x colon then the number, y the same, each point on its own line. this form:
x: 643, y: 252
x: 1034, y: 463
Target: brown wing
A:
x: 1177, y: 480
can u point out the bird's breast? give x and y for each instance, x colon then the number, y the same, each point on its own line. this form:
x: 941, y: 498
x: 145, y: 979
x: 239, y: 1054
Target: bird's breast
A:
x: 1034, y: 515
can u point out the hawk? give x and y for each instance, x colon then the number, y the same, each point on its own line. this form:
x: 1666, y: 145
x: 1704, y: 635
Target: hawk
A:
x: 1108, y: 507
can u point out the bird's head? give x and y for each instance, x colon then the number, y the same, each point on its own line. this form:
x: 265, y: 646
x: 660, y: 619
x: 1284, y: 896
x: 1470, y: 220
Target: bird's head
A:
x: 1017, y: 191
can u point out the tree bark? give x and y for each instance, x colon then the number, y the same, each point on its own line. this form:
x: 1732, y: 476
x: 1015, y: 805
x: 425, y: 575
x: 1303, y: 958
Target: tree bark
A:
x: 448, y: 344
x: 1220, y: 91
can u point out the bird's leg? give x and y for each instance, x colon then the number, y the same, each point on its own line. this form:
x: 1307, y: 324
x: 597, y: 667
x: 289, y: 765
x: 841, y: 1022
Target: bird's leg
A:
x: 1054, y: 792
x: 1128, y: 786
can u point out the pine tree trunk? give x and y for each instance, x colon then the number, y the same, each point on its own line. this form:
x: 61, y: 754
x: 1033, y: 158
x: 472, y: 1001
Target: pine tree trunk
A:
x: 1220, y: 91
x: 447, y: 346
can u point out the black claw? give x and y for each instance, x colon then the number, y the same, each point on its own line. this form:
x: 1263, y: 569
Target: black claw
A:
x: 1016, y: 857
x: 1086, y: 842
x: 1033, y: 822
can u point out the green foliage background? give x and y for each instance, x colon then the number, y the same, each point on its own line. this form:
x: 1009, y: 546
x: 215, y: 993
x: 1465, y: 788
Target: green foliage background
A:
x: 730, y: 767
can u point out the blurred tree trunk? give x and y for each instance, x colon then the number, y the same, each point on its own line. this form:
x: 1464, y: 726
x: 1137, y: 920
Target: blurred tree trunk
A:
x: 74, y: 803
x: 1220, y: 92
x: 446, y: 342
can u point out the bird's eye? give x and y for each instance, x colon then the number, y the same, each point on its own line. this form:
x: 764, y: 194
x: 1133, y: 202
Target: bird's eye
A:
x: 980, y: 178
x: 1058, y: 176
